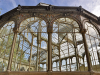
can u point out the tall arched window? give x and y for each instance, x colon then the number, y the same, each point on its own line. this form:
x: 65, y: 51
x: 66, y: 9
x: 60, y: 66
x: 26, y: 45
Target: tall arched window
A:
x: 67, y: 46
x: 92, y: 38
x: 29, y: 48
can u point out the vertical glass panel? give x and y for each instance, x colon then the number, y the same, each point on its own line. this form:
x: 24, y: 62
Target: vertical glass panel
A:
x: 68, y: 53
x: 93, y: 40
x: 6, y: 38
x: 30, y: 53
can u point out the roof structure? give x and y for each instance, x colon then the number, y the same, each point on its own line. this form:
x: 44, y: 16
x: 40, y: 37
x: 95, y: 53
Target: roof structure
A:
x: 50, y: 38
x: 53, y: 9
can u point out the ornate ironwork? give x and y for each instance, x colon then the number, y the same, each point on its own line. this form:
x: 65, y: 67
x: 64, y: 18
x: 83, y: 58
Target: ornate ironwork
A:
x: 49, y: 38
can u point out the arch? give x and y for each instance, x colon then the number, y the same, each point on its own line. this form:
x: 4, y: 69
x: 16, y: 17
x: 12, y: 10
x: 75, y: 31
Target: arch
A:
x: 32, y: 31
x: 66, y: 24
x: 69, y: 44
x: 12, y: 20
x: 33, y: 23
x: 37, y: 48
x: 70, y: 17
x: 92, y: 38
x: 90, y: 21
x: 22, y: 17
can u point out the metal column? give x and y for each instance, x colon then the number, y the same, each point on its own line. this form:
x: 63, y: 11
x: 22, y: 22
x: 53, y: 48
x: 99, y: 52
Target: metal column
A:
x: 86, y: 50
x: 47, y: 58
x: 31, y: 52
x: 49, y: 52
x: 38, y: 44
x: 12, y: 51
x: 37, y: 57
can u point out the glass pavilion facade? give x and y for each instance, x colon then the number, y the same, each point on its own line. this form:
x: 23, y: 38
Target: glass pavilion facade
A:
x: 49, y: 39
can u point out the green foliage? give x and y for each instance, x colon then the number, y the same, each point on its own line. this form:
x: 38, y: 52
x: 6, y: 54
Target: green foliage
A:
x: 6, y: 39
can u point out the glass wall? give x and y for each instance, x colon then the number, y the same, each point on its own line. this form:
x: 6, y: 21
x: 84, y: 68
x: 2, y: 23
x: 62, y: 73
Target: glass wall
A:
x: 30, y: 52
x: 31, y: 47
x: 93, y: 42
x: 68, y: 52
x: 6, y: 38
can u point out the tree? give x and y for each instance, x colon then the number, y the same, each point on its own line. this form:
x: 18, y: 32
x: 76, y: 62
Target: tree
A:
x: 6, y: 39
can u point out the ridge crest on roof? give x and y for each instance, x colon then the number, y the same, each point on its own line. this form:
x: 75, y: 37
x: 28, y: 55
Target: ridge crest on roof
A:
x: 44, y: 4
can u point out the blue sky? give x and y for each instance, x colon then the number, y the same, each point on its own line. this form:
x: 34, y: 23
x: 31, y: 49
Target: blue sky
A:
x: 92, y: 6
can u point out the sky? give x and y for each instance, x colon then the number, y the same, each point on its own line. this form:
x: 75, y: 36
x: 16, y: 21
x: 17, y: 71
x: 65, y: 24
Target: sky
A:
x: 92, y: 6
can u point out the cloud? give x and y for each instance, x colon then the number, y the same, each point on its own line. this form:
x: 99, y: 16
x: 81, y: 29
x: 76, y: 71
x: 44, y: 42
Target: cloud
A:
x: 96, y: 10
x: 90, y: 5
x: 14, y: 3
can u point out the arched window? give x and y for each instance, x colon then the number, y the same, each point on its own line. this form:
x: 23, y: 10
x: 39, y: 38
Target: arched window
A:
x: 29, y: 48
x: 92, y: 38
x: 68, y: 46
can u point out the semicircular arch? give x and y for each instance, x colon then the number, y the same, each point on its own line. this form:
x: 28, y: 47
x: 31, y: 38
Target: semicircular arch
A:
x: 70, y: 17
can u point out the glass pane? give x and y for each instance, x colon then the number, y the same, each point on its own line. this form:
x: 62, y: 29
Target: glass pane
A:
x: 93, y: 40
x: 6, y: 38
x: 65, y: 25
x: 68, y: 53
x: 30, y: 53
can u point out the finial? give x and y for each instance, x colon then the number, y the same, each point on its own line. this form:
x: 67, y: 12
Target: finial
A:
x: 80, y: 9
x: 19, y: 7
